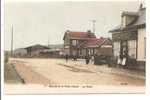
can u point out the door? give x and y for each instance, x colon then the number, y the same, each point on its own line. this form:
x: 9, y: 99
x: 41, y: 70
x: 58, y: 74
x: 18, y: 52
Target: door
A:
x: 124, y: 47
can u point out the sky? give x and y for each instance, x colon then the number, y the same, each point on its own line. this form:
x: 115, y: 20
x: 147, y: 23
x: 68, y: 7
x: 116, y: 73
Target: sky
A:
x: 46, y: 22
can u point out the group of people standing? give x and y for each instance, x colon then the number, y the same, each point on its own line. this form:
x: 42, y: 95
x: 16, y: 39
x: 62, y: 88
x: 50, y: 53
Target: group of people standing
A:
x: 67, y: 57
x: 122, y: 59
x: 88, y: 59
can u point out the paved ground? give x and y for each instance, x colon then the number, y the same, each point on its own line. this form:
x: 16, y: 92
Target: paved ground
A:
x: 58, y: 73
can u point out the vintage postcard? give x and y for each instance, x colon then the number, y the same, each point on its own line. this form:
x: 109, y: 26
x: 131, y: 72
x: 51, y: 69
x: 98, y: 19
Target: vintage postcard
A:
x: 70, y: 47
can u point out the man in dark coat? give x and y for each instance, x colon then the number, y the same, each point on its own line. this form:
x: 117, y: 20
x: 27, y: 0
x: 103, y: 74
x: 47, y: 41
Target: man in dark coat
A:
x: 87, y: 59
x: 66, y: 57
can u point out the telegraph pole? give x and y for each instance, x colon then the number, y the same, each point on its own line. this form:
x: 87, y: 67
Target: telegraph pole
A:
x: 12, y: 37
x: 48, y: 42
x: 93, y: 22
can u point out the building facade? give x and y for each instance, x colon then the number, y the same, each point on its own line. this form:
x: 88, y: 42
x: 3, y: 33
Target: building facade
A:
x: 130, y: 37
x: 96, y: 46
x: 73, y: 39
x: 35, y: 50
x: 81, y: 44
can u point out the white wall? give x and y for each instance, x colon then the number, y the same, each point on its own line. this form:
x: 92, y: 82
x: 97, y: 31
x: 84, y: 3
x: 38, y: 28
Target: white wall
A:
x: 116, y: 49
x: 141, y: 56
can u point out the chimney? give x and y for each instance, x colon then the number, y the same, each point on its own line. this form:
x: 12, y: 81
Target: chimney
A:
x: 90, y: 34
x: 89, y: 31
x: 67, y: 31
x: 141, y: 6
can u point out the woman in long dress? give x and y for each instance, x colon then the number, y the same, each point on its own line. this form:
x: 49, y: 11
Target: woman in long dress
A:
x: 124, y: 60
x: 119, y: 61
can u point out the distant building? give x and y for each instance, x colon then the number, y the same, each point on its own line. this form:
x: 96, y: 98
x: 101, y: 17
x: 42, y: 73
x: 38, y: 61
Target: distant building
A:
x: 81, y: 44
x: 51, y: 53
x: 35, y: 50
x: 73, y: 39
x: 130, y: 36
x: 20, y: 52
x: 96, y: 46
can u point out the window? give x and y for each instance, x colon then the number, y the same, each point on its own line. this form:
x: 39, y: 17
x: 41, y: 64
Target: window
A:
x: 74, y: 42
x: 132, y: 49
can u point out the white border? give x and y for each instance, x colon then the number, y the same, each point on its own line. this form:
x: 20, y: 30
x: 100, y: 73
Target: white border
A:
x: 148, y: 48
x: 82, y: 97
x: 2, y: 49
x: 63, y: 0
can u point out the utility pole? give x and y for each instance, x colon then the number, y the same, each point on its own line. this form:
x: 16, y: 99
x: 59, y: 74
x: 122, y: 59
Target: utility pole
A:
x: 12, y: 37
x: 48, y: 42
x: 93, y: 22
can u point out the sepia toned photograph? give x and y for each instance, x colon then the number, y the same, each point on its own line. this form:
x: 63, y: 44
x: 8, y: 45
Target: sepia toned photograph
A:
x: 68, y: 47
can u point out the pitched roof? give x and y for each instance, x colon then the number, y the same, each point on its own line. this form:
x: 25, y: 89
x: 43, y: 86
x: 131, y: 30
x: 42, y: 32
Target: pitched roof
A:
x: 95, y: 42
x: 129, y: 13
x: 140, y: 20
x: 37, y: 46
x: 79, y: 35
x: 142, y: 17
